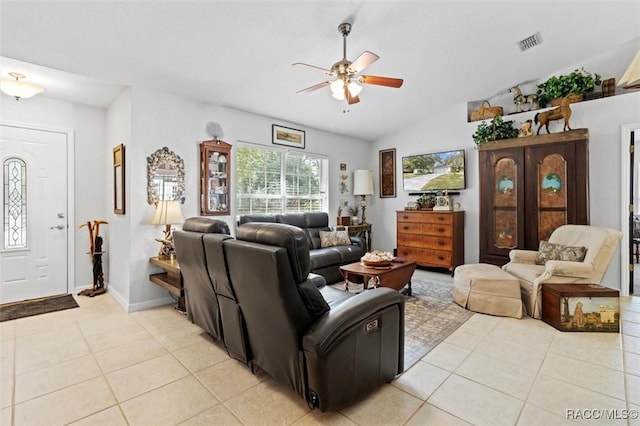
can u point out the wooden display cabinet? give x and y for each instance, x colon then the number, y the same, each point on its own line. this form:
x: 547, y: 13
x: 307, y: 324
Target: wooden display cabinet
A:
x: 529, y: 187
x: 215, y: 177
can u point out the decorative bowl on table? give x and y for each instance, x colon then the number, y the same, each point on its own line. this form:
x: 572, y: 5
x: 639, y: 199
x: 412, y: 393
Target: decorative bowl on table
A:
x: 378, y: 264
x: 377, y: 258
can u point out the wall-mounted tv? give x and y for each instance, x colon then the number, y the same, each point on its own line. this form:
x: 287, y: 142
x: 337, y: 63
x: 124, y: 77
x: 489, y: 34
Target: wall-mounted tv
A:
x: 438, y: 171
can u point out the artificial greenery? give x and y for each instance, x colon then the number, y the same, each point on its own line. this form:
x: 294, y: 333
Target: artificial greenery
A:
x: 427, y: 200
x: 578, y: 82
x: 496, y: 130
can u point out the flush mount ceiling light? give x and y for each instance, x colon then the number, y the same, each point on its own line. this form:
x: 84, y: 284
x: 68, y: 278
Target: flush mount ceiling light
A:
x: 19, y: 89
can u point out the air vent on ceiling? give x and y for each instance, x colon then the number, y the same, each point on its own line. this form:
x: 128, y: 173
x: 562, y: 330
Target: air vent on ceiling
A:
x: 531, y: 41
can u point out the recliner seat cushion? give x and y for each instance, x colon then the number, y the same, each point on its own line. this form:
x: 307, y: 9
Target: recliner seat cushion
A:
x: 324, y: 257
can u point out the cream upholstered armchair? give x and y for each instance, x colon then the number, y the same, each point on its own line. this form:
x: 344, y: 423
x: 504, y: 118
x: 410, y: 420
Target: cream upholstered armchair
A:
x: 600, y: 244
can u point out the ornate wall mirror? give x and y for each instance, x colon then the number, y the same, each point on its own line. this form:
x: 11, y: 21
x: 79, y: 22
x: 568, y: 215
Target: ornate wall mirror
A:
x: 118, y: 180
x: 165, y: 176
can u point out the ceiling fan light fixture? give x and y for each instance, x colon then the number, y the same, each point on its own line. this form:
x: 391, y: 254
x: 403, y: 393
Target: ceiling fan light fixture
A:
x: 19, y: 89
x: 354, y: 88
x: 337, y: 87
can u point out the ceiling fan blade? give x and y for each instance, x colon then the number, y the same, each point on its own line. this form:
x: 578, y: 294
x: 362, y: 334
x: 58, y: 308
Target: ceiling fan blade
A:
x: 381, y: 81
x: 363, y: 61
x: 314, y: 87
x: 350, y: 99
x: 312, y: 68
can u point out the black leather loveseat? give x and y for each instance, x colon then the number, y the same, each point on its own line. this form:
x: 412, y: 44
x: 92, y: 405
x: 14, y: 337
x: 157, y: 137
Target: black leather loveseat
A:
x: 325, y: 261
x: 329, y: 346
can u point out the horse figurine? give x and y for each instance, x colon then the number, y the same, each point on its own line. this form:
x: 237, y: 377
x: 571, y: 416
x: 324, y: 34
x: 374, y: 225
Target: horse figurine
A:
x: 520, y: 100
x: 561, y: 112
x: 526, y: 129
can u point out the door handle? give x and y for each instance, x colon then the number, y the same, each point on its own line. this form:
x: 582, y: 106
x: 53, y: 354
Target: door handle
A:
x: 57, y: 227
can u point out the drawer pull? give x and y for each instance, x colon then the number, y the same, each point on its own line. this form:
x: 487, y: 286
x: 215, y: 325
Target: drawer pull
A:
x: 405, y: 217
x: 441, y: 243
x: 441, y: 257
x: 440, y: 217
x: 441, y: 229
x: 405, y: 228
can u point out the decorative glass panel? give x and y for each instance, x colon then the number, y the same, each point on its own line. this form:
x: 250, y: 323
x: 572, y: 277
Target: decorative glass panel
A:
x: 552, y: 194
x: 504, y: 175
x: 505, y: 216
x: 15, y: 203
x: 552, y: 178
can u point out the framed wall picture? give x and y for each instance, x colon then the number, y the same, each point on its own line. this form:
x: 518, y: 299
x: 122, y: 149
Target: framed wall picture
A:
x: 387, y: 173
x: 118, y: 180
x: 287, y: 136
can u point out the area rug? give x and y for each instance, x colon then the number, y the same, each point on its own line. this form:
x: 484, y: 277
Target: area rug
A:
x: 430, y: 314
x: 28, y: 308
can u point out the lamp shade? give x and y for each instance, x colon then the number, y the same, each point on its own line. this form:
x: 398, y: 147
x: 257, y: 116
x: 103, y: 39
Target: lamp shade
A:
x: 167, y: 212
x: 363, y: 182
x: 631, y: 77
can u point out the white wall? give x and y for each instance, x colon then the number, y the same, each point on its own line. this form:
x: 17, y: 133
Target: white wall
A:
x: 450, y: 130
x: 88, y: 124
x: 160, y: 119
x: 118, y: 130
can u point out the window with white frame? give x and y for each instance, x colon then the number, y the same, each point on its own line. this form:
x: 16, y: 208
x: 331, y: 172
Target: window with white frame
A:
x: 276, y: 181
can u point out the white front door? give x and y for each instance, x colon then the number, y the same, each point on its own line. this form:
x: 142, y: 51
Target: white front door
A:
x: 34, y: 228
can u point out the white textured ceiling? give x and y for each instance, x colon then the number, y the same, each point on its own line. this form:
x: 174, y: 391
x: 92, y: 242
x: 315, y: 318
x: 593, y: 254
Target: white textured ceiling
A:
x: 239, y: 53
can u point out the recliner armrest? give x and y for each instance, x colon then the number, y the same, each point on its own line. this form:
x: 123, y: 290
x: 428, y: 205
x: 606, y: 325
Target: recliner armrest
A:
x: 358, y: 241
x: 523, y: 256
x: 322, y: 335
x: 569, y: 269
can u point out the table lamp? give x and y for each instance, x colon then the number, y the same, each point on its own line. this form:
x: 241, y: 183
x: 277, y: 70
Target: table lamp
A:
x: 363, y: 186
x: 167, y: 213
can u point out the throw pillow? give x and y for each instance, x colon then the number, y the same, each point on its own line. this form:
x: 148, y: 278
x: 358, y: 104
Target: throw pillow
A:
x: 312, y: 299
x: 334, y: 238
x: 327, y: 239
x: 342, y: 238
x: 550, y: 251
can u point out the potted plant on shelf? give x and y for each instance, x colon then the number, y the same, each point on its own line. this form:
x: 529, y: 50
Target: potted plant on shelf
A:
x: 498, y: 129
x: 574, y: 84
x: 426, y: 201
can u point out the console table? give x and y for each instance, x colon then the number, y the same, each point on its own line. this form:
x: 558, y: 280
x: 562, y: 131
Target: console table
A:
x: 170, y: 280
x: 358, y: 230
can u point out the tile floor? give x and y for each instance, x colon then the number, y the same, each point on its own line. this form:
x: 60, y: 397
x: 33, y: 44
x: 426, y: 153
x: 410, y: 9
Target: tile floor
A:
x: 97, y: 365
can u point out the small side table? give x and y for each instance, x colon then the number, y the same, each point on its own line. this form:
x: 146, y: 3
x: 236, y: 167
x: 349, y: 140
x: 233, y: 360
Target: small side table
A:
x: 358, y: 230
x: 170, y: 280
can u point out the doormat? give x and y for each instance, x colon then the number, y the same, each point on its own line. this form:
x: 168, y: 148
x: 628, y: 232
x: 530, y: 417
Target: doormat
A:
x: 28, y: 308
x: 430, y: 314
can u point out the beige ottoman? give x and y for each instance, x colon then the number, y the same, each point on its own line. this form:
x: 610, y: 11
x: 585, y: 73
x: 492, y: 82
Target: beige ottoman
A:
x: 487, y: 289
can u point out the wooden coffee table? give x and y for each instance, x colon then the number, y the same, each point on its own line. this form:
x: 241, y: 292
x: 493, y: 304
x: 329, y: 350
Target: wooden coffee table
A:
x: 395, y: 276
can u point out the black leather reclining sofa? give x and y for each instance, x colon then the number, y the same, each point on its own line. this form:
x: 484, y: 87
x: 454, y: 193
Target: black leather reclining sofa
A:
x: 257, y: 295
x: 325, y: 261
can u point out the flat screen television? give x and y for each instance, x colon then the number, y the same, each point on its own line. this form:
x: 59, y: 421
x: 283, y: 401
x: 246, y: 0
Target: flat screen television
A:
x: 438, y: 171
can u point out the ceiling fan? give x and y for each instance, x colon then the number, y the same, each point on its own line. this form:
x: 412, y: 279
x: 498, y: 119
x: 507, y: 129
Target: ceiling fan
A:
x: 346, y: 86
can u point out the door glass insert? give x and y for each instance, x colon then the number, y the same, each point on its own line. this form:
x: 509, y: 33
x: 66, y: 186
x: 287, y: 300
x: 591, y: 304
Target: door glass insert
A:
x: 14, y: 203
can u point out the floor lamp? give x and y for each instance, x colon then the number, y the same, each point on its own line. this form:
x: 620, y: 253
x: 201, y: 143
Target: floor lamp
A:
x: 363, y: 186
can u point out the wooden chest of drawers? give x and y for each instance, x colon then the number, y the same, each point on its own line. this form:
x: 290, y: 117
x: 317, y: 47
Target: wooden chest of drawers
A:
x: 431, y: 238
